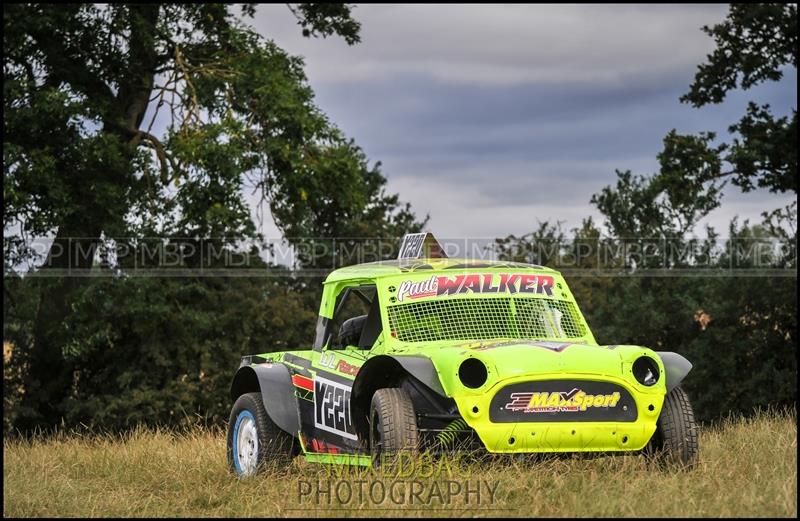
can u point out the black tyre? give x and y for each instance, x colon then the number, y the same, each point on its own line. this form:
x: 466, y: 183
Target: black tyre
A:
x: 393, y: 425
x: 254, y: 441
x: 676, y: 440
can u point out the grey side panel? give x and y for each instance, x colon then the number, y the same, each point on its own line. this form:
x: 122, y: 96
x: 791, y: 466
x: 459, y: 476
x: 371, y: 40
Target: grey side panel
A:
x: 676, y: 367
x: 277, y: 392
x: 422, y: 369
x: 319, y: 334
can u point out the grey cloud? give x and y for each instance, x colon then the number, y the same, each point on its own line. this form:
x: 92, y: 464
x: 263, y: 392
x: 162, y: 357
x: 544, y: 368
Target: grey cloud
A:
x: 554, y: 123
x: 504, y: 44
x: 491, y: 117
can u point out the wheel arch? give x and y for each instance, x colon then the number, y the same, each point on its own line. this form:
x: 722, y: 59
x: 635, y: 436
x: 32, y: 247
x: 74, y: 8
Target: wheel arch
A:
x: 274, y: 382
x: 388, y: 371
x: 676, y: 368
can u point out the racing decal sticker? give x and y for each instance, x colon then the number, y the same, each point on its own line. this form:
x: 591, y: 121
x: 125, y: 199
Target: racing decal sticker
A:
x: 563, y: 400
x: 425, y: 288
x: 411, y: 247
x: 327, y: 359
x: 332, y: 408
x: 322, y: 447
x: 572, y: 401
x: 418, y: 245
x: 492, y: 264
x: 557, y: 347
x: 512, y: 283
x: 300, y: 362
x: 344, y: 367
x: 303, y: 382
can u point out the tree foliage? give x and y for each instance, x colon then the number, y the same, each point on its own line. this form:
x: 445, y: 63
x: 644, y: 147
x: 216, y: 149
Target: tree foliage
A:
x: 754, y: 44
x: 128, y: 122
x: 87, y: 86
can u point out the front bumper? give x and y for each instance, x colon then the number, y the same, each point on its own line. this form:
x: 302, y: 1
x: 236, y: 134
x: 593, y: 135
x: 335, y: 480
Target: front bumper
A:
x: 563, y: 413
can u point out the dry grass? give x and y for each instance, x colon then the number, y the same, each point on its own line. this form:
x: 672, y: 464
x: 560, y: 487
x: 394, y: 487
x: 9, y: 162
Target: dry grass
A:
x: 748, y: 468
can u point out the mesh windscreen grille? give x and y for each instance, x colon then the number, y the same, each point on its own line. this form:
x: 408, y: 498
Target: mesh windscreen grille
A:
x: 484, y: 318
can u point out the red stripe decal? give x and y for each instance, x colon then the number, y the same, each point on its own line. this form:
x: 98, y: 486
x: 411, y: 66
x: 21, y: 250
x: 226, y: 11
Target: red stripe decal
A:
x: 303, y: 382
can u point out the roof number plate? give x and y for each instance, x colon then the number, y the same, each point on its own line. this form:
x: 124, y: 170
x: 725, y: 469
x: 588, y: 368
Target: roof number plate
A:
x: 420, y: 246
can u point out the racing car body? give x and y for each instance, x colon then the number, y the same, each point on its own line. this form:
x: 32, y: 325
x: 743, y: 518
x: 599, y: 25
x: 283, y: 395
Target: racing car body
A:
x: 437, y: 353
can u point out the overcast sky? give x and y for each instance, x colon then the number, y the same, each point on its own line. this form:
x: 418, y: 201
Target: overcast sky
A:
x: 489, y: 117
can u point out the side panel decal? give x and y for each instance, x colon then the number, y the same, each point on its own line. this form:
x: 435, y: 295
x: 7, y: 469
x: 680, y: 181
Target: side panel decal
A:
x: 332, y: 408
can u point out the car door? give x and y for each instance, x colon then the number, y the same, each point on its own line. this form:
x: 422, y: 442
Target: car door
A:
x: 352, y: 330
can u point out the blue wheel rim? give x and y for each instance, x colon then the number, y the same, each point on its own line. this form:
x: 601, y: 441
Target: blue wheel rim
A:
x: 235, y: 441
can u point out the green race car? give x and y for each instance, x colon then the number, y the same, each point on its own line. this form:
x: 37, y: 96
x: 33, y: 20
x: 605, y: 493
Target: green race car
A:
x: 431, y: 353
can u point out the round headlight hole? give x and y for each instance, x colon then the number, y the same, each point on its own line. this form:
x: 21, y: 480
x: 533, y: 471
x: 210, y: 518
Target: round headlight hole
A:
x: 472, y: 373
x: 645, y: 370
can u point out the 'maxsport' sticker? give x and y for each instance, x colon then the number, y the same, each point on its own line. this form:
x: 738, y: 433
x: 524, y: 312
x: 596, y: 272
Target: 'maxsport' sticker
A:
x: 572, y: 401
x: 511, y: 283
x: 550, y: 401
x: 332, y: 408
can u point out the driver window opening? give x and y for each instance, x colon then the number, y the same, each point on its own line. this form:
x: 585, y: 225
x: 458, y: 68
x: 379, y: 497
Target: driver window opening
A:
x: 356, y: 321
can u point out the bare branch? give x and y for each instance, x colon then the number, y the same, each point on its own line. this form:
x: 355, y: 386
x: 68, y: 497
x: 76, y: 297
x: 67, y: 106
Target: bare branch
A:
x: 165, y: 160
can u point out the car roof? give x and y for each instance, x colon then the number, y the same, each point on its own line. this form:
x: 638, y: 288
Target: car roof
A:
x: 387, y: 268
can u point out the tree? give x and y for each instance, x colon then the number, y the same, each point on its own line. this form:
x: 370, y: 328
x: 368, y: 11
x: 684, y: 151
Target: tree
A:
x: 126, y: 121
x: 754, y: 44
x: 80, y: 80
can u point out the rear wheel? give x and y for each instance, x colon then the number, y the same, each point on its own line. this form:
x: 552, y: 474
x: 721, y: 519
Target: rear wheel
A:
x: 393, y: 425
x: 254, y: 441
x: 675, y: 441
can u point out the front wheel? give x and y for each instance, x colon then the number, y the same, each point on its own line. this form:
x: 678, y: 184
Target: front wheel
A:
x: 254, y: 440
x: 676, y: 438
x: 393, y: 424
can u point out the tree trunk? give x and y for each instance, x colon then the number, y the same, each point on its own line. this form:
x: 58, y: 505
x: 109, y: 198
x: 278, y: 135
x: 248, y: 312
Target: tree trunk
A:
x: 48, y: 382
x: 48, y: 379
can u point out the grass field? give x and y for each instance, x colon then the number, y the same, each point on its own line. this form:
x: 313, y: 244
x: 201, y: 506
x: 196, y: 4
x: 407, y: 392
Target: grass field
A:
x: 748, y: 467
